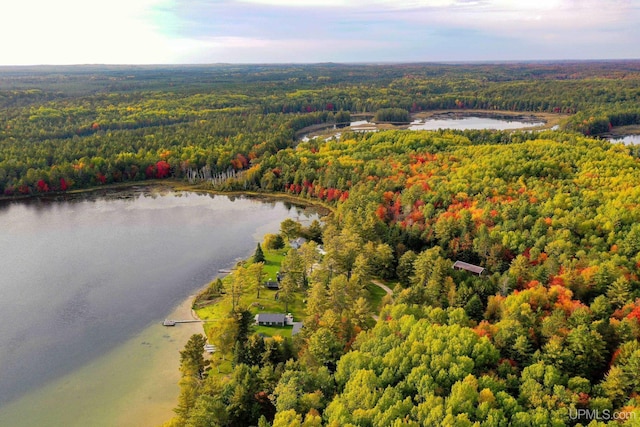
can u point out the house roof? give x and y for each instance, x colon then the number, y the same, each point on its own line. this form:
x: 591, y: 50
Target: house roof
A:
x: 270, y: 317
x: 298, y: 242
x: 469, y: 267
x: 272, y: 285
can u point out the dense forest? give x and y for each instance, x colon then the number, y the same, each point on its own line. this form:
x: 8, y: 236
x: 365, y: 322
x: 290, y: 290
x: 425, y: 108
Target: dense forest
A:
x: 548, y: 335
x: 550, y: 330
x: 77, y: 127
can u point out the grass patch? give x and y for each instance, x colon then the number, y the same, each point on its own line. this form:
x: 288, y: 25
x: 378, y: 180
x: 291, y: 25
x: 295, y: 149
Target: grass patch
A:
x: 272, y: 331
x: 265, y: 304
x: 220, y: 367
x: 376, y: 293
x: 273, y: 259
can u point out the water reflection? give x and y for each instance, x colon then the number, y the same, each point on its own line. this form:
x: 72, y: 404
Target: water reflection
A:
x: 472, y: 123
x: 82, y: 273
x: 628, y: 139
x: 457, y: 121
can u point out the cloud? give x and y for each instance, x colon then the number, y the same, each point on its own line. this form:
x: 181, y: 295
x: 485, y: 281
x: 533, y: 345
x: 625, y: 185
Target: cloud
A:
x: 420, y: 28
x: 493, y: 16
x: 300, y: 4
x: 78, y: 31
x: 357, y: 4
x: 259, y: 50
x: 153, y: 31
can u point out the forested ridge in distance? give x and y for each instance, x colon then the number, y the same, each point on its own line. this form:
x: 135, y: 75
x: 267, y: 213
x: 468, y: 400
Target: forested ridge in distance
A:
x: 546, y: 336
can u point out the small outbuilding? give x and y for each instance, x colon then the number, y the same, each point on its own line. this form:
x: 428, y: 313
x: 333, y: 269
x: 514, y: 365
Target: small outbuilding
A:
x: 270, y: 284
x: 475, y: 269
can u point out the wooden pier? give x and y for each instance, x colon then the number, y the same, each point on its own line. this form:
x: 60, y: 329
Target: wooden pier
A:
x: 169, y: 322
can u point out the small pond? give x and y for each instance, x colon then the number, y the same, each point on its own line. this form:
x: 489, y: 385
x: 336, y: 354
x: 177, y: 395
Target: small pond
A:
x: 628, y: 139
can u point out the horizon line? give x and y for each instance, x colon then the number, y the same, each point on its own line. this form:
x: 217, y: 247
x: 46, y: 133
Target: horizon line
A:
x: 437, y: 62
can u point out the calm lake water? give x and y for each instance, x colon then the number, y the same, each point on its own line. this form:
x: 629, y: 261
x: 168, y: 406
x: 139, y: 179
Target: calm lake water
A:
x: 449, y: 121
x: 471, y: 122
x: 80, y: 277
x: 629, y: 139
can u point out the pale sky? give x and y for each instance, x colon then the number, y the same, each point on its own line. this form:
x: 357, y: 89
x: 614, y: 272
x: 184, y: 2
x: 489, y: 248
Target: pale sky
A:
x: 276, y: 31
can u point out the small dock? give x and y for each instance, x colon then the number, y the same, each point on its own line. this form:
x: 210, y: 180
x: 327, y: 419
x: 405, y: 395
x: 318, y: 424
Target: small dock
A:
x: 169, y: 322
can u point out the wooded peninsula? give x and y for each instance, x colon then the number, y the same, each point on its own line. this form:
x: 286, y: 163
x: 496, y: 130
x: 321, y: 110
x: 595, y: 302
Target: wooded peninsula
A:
x: 538, y: 324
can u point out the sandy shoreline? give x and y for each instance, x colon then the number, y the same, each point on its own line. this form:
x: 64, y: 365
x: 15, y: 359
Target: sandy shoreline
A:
x: 136, y: 384
x: 148, y: 404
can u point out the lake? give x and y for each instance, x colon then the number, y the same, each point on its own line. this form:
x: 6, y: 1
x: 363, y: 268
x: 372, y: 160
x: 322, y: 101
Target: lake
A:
x: 628, y: 139
x: 470, y: 122
x: 458, y: 121
x: 83, y: 277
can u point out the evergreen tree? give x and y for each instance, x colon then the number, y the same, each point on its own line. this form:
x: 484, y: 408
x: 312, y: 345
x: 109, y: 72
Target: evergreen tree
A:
x: 245, y: 320
x: 273, y: 241
x: 405, y: 268
x: 314, y: 231
x: 258, y: 255
x: 619, y: 292
x: 239, y: 354
x: 474, y: 308
x: 192, y: 361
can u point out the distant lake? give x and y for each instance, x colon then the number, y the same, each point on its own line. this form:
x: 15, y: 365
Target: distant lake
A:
x: 471, y: 123
x: 458, y: 121
x: 629, y: 139
x: 81, y: 276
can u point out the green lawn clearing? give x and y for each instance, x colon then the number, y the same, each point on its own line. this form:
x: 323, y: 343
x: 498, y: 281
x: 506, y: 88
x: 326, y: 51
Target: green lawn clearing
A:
x: 265, y: 304
x: 272, y: 331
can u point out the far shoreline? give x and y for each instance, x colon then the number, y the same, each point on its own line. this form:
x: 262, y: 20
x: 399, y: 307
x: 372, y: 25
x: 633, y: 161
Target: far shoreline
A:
x: 173, y: 184
x: 550, y: 120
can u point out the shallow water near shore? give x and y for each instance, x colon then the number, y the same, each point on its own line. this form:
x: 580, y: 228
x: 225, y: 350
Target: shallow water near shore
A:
x: 136, y: 384
x: 85, y: 285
